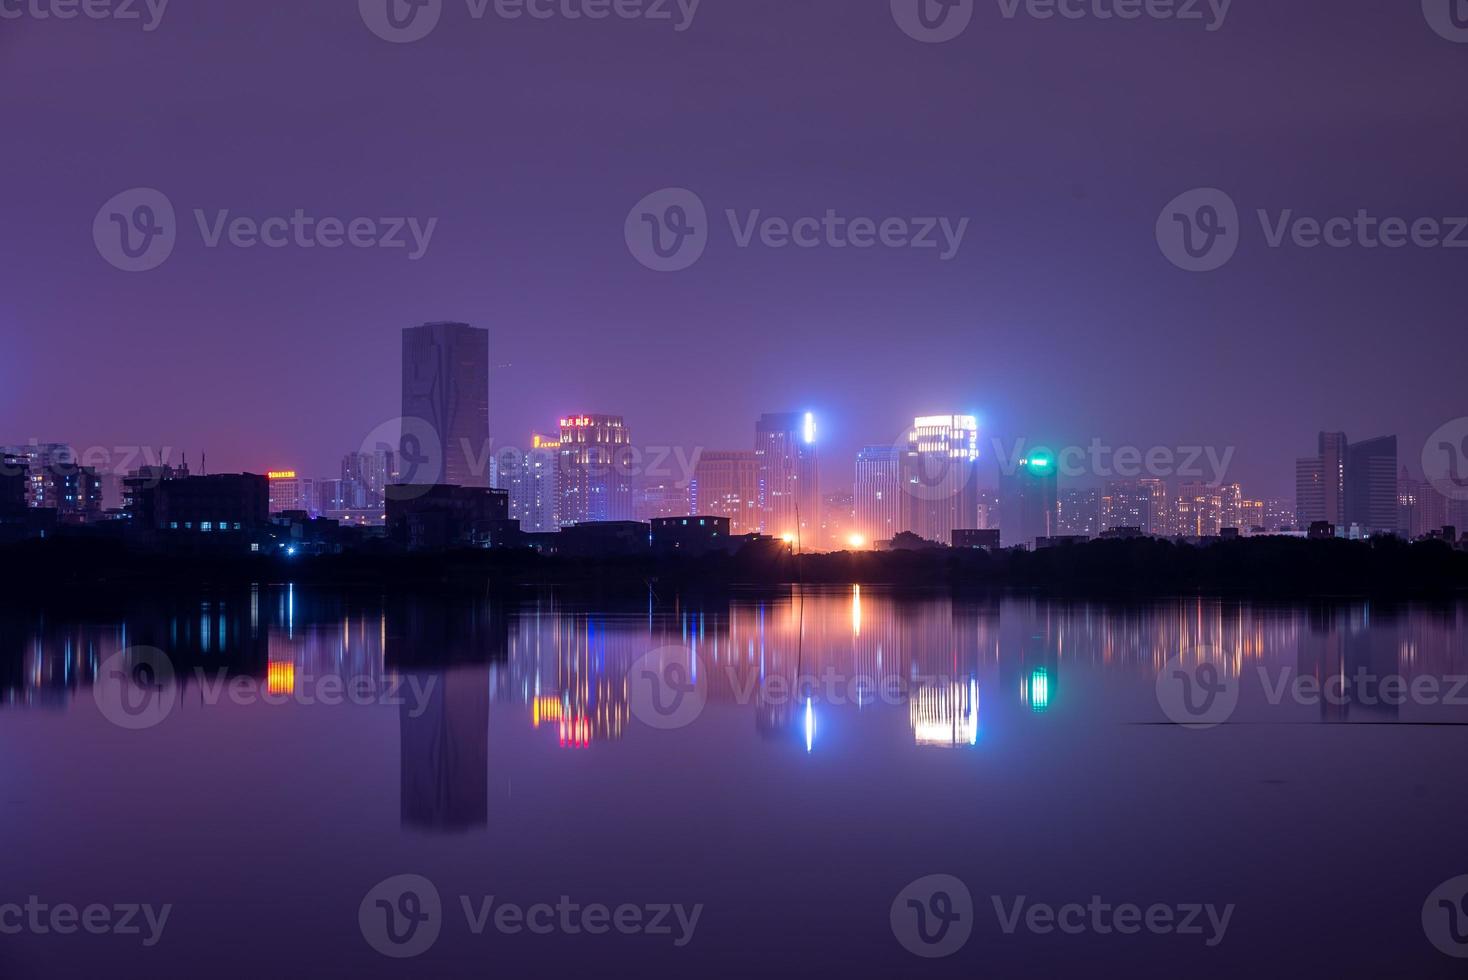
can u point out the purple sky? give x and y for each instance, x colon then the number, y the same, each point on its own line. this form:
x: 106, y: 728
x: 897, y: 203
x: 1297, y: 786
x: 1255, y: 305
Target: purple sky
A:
x: 1059, y: 320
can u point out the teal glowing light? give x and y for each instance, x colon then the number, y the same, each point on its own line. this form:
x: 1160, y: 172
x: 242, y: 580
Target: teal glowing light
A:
x: 1039, y: 463
x: 1039, y: 689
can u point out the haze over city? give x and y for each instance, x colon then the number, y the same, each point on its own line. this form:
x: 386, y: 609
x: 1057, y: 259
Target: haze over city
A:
x: 1060, y: 141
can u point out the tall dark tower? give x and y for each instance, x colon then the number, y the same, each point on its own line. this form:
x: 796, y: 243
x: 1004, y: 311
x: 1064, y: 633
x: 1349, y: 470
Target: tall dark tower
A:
x: 446, y: 405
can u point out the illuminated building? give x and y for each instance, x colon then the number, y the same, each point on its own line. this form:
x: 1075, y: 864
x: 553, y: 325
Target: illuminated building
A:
x: 940, y: 476
x: 726, y: 484
x: 595, y: 470
x: 446, y: 385
x: 877, y: 495
x: 1349, y: 484
x: 53, y: 479
x: 1079, y: 513
x: 365, y: 478
x: 1279, y: 515
x: 789, y: 481
x: 14, y: 476
x: 1029, y: 504
x: 1199, y: 511
x: 532, y: 479
x: 287, y: 491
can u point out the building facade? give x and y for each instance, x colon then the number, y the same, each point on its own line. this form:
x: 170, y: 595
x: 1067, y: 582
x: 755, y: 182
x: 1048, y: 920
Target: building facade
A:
x: 595, y: 470
x: 445, y: 436
x: 726, y: 484
x: 789, y: 479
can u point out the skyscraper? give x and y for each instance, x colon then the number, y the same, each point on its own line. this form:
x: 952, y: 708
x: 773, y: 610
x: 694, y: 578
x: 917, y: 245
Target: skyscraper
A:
x: 726, y: 484
x: 1029, y: 500
x: 1349, y: 484
x: 789, y: 482
x: 445, y: 405
x: 1079, y: 513
x: 1371, y: 485
x: 878, y: 493
x: 595, y: 470
x: 940, y: 476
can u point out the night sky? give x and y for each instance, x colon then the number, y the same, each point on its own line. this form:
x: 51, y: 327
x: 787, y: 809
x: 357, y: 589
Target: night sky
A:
x: 529, y: 141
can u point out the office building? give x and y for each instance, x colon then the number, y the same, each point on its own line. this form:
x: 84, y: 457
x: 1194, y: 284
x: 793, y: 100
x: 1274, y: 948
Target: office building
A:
x: 691, y: 536
x: 204, y: 504
x: 1371, y: 485
x: 877, y: 494
x: 726, y: 484
x: 1029, y: 500
x: 445, y: 405
x: 940, y: 476
x: 789, y: 481
x: 1350, y: 486
x: 595, y: 470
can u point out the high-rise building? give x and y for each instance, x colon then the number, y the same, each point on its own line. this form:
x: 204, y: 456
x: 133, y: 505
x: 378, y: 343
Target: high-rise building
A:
x: 1079, y: 513
x: 366, y: 477
x: 877, y: 494
x: 1279, y: 515
x: 288, y: 492
x: 1029, y: 500
x: 1349, y: 484
x: 1199, y: 511
x: 726, y: 484
x: 1371, y: 485
x: 661, y: 498
x: 789, y: 481
x: 940, y: 476
x: 532, y: 479
x: 1320, y: 482
x: 446, y: 396
x: 838, y: 522
x: 595, y: 470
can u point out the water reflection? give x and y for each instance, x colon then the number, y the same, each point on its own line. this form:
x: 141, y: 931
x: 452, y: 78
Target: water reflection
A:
x: 796, y: 663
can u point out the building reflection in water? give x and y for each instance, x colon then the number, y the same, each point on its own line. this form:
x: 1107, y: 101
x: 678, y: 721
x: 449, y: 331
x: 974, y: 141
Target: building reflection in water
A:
x: 801, y: 663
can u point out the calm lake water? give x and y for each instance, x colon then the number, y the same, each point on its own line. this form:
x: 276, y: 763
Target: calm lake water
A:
x: 848, y: 781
